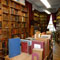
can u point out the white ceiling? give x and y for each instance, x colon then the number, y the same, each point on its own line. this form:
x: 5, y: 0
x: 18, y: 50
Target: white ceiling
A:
x: 55, y: 4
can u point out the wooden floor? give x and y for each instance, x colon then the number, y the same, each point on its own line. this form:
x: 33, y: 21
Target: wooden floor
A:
x: 56, y: 51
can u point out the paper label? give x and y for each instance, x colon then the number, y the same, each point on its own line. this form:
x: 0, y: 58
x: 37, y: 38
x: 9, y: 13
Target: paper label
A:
x: 37, y: 46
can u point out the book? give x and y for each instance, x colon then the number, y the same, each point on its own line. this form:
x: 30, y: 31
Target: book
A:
x: 12, y: 18
x: 5, y: 2
x: 12, y: 24
x: 0, y: 18
x: 12, y: 11
x: 16, y: 18
x: 5, y: 10
x: 12, y: 4
x: 6, y: 24
x: 17, y: 25
x: 0, y: 12
x: 5, y: 17
x: 0, y: 24
x: 0, y: 31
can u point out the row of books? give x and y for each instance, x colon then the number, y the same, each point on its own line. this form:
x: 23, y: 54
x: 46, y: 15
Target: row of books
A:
x: 13, y: 25
x: 6, y: 24
x: 21, y: 35
x: 14, y: 5
x: 5, y: 2
x: 5, y: 10
x: 17, y: 18
x: 14, y: 31
x: 5, y: 33
x: 13, y: 18
x: 3, y: 46
x: 36, y: 18
x: 24, y: 10
x: 18, y: 12
x: 44, y: 16
x: 18, y: 25
x: 14, y: 11
x: 5, y: 17
x: 35, y: 14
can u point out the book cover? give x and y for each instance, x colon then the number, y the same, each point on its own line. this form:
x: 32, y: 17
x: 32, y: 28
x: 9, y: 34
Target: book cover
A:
x: 14, y: 47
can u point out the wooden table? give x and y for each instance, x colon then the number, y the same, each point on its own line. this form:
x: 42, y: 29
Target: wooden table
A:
x: 22, y: 56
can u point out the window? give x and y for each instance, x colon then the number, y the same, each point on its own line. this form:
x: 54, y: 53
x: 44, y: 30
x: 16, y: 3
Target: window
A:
x: 51, y: 25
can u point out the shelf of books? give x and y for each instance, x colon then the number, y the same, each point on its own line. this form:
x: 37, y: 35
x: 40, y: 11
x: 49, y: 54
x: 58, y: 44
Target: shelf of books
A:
x: 58, y: 26
x: 14, y: 20
x: 40, y: 19
x: 58, y: 19
x: 43, y: 21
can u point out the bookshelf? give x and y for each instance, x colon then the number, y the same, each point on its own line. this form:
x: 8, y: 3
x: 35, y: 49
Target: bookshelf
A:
x: 58, y: 20
x: 41, y: 19
x: 36, y: 15
x: 14, y: 20
x: 58, y: 26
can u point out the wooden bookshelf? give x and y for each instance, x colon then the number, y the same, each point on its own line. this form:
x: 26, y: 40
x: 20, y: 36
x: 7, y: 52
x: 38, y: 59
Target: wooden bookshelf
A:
x: 58, y: 26
x: 41, y: 19
x: 58, y: 20
x: 14, y: 20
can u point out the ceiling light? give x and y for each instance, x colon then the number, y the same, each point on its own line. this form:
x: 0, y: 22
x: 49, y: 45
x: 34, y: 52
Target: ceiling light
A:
x: 46, y: 3
x: 48, y: 12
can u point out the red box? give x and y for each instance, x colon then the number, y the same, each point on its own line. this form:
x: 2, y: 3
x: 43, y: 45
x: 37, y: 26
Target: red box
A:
x: 42, y: 46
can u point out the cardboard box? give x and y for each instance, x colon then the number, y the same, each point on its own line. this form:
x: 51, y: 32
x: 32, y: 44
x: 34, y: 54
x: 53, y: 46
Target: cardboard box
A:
x: 42, y: 46
x: 39, y: 53
x: 46, y: 45
x: 46, y: 36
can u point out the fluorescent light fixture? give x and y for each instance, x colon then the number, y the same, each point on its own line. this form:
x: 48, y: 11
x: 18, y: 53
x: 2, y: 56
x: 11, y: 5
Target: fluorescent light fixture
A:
x: 47, y: 11
x: 46, y: 3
